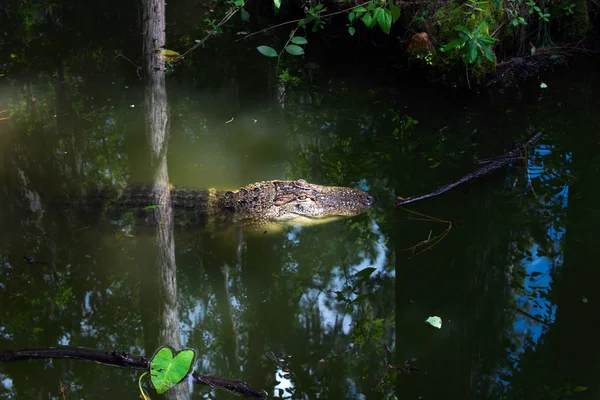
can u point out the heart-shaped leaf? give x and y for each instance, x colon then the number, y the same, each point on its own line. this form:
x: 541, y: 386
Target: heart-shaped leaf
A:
x: 168, y: 367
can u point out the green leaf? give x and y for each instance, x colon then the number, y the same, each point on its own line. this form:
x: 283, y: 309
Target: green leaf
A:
x: 277, y: 3
x: 580, y: 388
x: 487, y: 39
x: 384, y: 19
x: 244, y: 15
x: 543, y: 85
x: 464, y: 30
x: 471, y: 55
x: 299, y: 40
x: 267, y: 51
x: 453, y: 44
x: 238, y: 3
x: 150, y: 207
x: 489, y: 54
x: 360, y: 10
x: 434, y: 321
x: 351, y: 16
x: 294, y: 50
x: 351, y: 30
x: 465, y: 38
x: 368, y: 20
x: 479, y: 28
x: 168, y: 368
x: 395, y: 10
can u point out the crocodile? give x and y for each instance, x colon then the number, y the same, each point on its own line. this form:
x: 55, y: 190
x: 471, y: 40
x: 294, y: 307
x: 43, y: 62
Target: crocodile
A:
x: 261, y: 204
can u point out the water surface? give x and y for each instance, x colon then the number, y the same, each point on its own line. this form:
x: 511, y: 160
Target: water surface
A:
x: 507, y: 262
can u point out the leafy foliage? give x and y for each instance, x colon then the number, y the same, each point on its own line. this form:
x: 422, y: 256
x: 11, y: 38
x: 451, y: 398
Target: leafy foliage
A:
x: 473, y: 46
x: 374, y: 13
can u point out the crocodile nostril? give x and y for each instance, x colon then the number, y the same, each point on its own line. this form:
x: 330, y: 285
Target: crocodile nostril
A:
x: 368, y: 200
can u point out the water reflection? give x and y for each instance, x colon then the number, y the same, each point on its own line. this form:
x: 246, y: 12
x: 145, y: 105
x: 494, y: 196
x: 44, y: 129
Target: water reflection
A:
x: 235, y: 296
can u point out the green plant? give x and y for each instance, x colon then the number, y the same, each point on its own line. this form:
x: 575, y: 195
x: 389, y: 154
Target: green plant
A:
x: 516, y: 19
x: 533, y: 7
x: 473, y: 7
x: 427, y: 58
x: 513, y: 13
x: 292, y: 46
x: 313, y: 18
x: 167, y: 368
x: 568, y: 9
x: 473, y: 46
x: 376, y: 12
x: 420, y: 17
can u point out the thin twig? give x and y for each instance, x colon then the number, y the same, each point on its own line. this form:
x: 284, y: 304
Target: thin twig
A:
x: 298, y: 20
x: 226, y: 18
x: 429, y: 241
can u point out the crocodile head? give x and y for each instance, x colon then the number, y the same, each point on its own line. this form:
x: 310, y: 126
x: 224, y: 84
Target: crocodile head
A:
x: 296, y: 202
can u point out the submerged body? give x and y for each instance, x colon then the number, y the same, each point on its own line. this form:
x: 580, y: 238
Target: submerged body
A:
x: 257, y: 205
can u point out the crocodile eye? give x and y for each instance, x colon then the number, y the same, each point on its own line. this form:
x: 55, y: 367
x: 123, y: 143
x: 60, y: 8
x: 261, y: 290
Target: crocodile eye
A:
x: 302, y: 198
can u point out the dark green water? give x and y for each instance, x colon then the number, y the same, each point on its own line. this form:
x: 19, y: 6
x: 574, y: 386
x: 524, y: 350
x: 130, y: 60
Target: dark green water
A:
x: 514, y: 279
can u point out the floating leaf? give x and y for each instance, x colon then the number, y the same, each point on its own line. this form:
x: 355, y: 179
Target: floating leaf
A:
x: 168, y: 368
x: 543, y: 85
x: 267, y: 51
x: 294, y: 50
x: 436, y: 322
x: 299, y: 40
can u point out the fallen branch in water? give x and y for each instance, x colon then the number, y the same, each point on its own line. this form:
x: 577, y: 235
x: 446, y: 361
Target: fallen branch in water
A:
x: 124, y: 360
x: 493, y: 164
